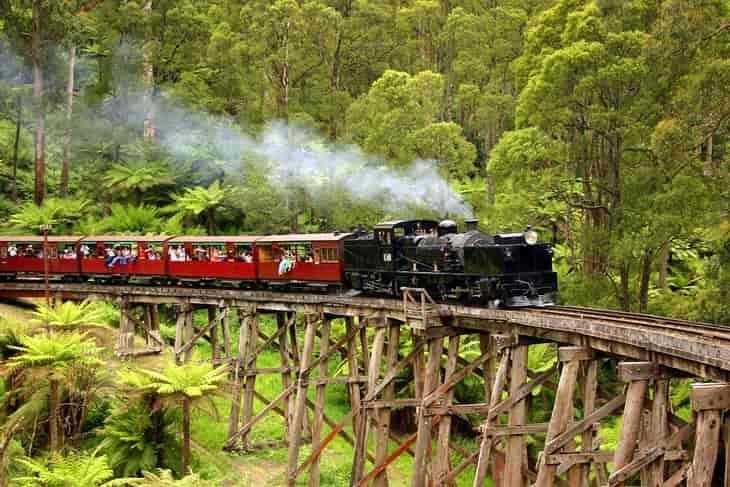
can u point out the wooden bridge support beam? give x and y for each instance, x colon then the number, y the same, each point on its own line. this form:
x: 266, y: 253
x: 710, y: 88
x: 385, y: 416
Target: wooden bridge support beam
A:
x: 638, y: 375
x: 142, y: 316
x: 515, y: 467
x: 709, y: 401
x: 570, y: 358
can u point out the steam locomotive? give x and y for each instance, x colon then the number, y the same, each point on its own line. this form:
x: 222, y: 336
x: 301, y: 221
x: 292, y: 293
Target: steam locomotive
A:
x: 496, y: 270
x: 506, y: 269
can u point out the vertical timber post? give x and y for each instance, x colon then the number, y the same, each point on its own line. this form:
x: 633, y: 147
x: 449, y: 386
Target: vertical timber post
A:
x: 514, y: 464
x: 300, y: 406
x: 589, y: 391
x: 126, y: 328
x: 248, y: 369
x: 154, y: 340
x: 425, y: 419
x: 381, y: 416
x: 637, y: 374
x: 282, y: 321
x: 317, y: 422
x: 485, y: 448
x: 709, y: 401
x: 189, y: 332
x: 443, y: 463
x: 213, y: 315
x: 659, y: 427
x: 243, y: 338
x: 562, y: 413
x: 383, y: 431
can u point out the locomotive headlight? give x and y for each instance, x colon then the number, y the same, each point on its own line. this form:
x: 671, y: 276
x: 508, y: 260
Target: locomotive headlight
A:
x: 530, y: 237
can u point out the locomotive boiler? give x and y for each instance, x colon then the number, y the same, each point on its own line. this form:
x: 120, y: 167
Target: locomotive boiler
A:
x: 505, y: 269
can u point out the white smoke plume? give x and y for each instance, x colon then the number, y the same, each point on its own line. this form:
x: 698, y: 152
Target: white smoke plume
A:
x: 300, y: 157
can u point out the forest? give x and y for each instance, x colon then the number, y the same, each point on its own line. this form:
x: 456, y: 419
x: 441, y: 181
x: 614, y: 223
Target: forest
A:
x: 603, y: 124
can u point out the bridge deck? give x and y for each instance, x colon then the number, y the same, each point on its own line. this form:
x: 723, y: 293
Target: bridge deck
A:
x: 699, y: 349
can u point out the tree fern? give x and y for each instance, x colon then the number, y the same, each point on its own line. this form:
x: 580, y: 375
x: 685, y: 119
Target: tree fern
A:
x: 137, y: 439
x: 57, y: 212
x: 182, y: 386
x: 76, y: 470
x: 69, y: 315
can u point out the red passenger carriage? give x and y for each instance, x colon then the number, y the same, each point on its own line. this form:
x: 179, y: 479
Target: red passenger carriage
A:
x: 315, y: 258
x: 24, y: 255
x: 204, y: 258
x: 114, y: 255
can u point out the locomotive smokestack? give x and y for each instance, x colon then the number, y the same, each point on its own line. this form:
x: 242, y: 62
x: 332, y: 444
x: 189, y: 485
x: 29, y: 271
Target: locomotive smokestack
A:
x: 471, y: 224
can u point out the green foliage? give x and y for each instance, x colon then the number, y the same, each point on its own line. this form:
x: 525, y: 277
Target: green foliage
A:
x: 74, y: 470
x: 54, y: 353
x: 201, y: 201
x: 69, y: 315
x: 134, y: 180
x: 59, y: 213
x: 137, y: 439
x: 190, y: 380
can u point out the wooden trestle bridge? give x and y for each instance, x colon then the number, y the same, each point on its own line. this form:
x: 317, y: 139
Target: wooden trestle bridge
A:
x: 383, y: 339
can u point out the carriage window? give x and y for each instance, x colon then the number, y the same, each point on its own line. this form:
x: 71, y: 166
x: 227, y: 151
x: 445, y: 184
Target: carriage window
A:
x: 151, y: 252
x: 244, y: 253
x: 399, y: 232
x: 209, y: 252
x: 3, y: 252
x: 325, y: 255
x: 52, y: 253
x: 65, y: 251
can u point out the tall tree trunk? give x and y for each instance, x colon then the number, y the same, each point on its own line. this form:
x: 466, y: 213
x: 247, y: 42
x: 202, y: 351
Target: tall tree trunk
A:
x: 66, y: 163
x: 186, y: 436
x: 708, y: 169
x: 54, y: 400
x: 625, y: 296
x: 211, y: 221
x: 16, y: 151
x: 149, y: 82
x: 39, y: 192
x: 663, y: 266
x: 644, y: 279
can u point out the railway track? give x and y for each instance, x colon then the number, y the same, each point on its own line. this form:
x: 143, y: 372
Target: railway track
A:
x: 709, y: 330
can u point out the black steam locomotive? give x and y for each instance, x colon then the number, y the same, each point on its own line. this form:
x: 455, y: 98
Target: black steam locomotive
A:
x: 505, y: 269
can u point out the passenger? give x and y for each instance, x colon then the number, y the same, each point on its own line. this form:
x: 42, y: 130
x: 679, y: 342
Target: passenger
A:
x: 111, y: 255
x: 85, y: 251
x: 216, y: 255
x: 12, y: 251
x: 181, y: 254
x: 68, y: 254
x: 309, y: 259
x: 287, y: 263
x: 149, y: 253
x: 200, y: 254
x: 29, y: 251
x: 230, y: 256
x: 247, y: 257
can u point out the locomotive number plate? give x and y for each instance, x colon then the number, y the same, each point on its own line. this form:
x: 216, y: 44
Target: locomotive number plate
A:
x: 387, y: 258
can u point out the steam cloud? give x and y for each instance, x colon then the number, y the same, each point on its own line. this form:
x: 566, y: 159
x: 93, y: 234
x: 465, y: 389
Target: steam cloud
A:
x: 304, y: 159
